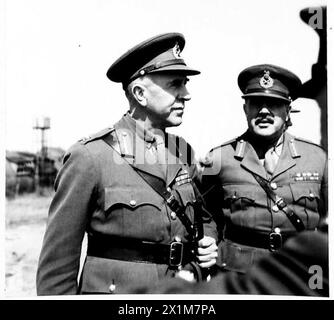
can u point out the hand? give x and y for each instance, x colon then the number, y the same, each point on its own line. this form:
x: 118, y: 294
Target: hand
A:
x: 207, y: 252
x: 185, y: 275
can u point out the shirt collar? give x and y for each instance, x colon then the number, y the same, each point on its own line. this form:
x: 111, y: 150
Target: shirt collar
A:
x: 279, y: 145
x: 258, y: 144
x: 138, y: 129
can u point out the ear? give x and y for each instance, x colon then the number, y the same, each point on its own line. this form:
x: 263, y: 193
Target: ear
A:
x: 245, y: 108
x: 138, y: 92
x: 288, y: 111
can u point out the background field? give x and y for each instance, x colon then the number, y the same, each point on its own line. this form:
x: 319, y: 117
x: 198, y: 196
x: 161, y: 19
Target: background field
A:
x: 26, y: 218
x: 25, y: 225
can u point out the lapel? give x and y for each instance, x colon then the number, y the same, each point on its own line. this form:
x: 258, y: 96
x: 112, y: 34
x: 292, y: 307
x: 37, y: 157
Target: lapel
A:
x: 287, y: 157
x: 175, y: 158
x: 251, y: 162
x: 141, y: 164
x: 132, y: 148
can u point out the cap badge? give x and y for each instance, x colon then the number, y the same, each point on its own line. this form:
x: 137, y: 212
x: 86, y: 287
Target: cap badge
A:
x: 177, y: 51
x: 266, y: 81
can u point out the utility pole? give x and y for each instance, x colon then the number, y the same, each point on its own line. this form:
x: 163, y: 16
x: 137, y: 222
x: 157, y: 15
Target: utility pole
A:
x: 41, y: 124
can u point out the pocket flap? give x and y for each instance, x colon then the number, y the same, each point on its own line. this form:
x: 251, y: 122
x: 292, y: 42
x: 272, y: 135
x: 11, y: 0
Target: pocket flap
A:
x: 305, y: 190
x: 130, y: 198
x: 234, y: 192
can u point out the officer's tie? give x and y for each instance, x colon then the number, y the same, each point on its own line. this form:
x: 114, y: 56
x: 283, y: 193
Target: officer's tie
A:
x: 156, y: 154
x: 161, y: 153
x: 270, y: 161
x: 271, y: 157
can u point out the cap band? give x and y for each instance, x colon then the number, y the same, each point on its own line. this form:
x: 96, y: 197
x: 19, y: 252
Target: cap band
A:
x: 155, y: 66
x: 271, y: 91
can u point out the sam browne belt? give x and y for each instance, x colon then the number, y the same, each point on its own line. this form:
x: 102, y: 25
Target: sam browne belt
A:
x: 110, y: 247
x: 258, y: 239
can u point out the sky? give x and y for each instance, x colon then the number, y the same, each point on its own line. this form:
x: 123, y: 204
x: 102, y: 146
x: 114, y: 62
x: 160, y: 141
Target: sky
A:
x: 57, y: 53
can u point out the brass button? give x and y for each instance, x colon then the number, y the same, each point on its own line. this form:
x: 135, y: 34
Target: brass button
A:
x: 312, y: 195
x: 275, y: 208
x: 273, y: 185
x: 223, y: 264
x: 173, y: 215
x: 133, y: 203
x: 277, y: 230
x: 112, y: 288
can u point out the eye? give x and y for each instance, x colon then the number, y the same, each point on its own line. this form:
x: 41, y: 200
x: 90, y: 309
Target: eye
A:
x: 177, y: 83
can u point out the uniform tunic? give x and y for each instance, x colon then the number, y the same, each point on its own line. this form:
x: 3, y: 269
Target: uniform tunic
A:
x: 98, y: 192
x: 242, y: 207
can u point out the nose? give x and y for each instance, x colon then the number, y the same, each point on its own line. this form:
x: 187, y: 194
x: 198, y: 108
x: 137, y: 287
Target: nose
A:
x: 264, y: 109
x: 184, y: 94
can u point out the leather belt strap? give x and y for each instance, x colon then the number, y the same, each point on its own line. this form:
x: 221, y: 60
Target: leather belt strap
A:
x: 117, y: 248
x: 281, y: 204
x: 252, y: 238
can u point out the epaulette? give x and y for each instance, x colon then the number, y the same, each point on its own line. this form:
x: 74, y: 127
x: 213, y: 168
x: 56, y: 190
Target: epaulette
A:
x: 225, y: 144
x: 309, y: 142
x: 97, y: 135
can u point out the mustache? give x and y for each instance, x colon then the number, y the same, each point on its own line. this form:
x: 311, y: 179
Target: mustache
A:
x: 266, y: 119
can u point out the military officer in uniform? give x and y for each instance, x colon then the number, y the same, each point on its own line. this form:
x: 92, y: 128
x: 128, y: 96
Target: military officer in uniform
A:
x: 266, y: 185
x: 131, y: 188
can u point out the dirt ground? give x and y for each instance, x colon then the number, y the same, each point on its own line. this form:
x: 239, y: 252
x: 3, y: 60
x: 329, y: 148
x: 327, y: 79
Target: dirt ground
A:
x: 25, y: 226
x: 26, y: 218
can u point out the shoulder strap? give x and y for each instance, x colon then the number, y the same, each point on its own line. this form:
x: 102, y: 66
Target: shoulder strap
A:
x: 159, y: 187
x: 281, y: 204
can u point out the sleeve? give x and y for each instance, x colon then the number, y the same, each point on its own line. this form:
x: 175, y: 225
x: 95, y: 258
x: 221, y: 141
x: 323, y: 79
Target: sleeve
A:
x: 70, y: 209
x: 209, y: 224
x: 324, y: 192
x: 211, y: 191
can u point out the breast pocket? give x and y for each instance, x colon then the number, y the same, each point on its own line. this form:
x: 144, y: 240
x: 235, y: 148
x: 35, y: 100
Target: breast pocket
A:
x: 134, y: 213
x: 306, y: 195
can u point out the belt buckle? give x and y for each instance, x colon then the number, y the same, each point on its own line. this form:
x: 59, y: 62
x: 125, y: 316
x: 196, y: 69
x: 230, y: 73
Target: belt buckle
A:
x: 175, y: 254
x: 275, y: 241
